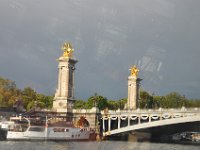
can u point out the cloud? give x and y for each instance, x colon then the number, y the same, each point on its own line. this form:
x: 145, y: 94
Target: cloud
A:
x: 161, y: 37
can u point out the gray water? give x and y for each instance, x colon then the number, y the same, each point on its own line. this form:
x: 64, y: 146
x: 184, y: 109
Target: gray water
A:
x: 103, y: 145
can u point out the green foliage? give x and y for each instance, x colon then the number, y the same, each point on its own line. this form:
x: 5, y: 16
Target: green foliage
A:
x: 7, y: 84
x: 122, y: 103
x: 30, y: 105
x: 171, y: 100
x: 101, y: 103
x: 2, y: 103
x: 94, y: 101
x: 174, y: 100
x: 192, y: 103
x: 28, y: 91
x: 44, y: 101
x: 79, y: 104
x: 97, y: 101
x: 10, y: 94
x: 113, y: 105
x: 144, y: 101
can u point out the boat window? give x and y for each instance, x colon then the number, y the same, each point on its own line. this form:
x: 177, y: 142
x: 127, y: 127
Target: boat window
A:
x: 37, y: 129
x: 60, y: 130
x: 66, y: 130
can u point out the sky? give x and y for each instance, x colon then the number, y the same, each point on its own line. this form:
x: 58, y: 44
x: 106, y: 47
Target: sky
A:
x: 161, y: 37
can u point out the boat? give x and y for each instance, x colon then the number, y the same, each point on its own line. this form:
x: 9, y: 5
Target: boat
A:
x: 55, y: 132
x: 187, y: 136
x: 50, y: 133
x: 195, y: 136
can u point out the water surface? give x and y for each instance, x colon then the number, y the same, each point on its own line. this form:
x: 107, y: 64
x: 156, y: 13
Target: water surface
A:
x: 103, y: 145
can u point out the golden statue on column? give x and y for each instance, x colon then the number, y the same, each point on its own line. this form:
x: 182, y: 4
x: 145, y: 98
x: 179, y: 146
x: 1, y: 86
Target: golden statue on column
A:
x: 68, y: 50
x: 134, y: 71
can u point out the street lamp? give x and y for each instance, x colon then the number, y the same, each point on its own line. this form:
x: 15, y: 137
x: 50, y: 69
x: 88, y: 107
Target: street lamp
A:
x: 95, y: 100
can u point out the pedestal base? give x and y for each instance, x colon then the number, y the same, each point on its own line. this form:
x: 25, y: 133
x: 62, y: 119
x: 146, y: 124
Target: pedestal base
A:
x: 62, y: 104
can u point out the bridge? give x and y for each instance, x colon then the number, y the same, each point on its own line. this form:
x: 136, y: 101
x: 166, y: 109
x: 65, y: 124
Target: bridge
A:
x: 120, y: 121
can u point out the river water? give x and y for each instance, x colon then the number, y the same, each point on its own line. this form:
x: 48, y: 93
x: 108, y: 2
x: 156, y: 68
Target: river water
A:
x: 103, y: 145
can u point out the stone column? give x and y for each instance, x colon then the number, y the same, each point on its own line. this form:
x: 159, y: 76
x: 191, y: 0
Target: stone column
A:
x: 66, y: 92
x: 132, y: 93
x: 133, y: 89
x: 64, y: 96
x: 59, y: 80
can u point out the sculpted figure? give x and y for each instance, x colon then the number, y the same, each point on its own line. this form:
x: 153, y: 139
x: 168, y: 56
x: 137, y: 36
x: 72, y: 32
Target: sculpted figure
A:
x: 134, y: 71
x: 68, y: 50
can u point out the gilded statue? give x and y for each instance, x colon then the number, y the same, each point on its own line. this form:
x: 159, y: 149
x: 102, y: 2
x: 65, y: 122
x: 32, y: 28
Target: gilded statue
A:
x: 134, y: 71
x: 68, y: 50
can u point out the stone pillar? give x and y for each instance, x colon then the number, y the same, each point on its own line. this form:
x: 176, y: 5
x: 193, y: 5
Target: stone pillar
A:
x: 132, y: 93
x: 133, y: 89
x: 59, y: 81
x: 64, y: 96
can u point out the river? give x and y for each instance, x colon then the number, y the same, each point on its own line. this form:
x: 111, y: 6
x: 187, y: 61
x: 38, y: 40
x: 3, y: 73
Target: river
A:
x: 103, y: 145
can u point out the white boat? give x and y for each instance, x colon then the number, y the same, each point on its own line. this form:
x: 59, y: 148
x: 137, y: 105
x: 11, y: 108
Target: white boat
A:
x: 5, y: 125
x: 187, y: 136
x: 49, y: 133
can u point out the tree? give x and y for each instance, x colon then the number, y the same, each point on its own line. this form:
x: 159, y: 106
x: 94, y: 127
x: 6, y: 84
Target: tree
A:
x: 122, y: 103
x: 113, y: 105
x: 44, y: 101
x: 158, y: 101
x: 8, y: 92
x: 28, y: 91
x: 174, y: 100
x: 79, y: 104
x: 144, y: 101
x: 97, y: 101
x: 12, y: 97
x: 29, y: 97
x: 30, y: 105
x: 192, y: 103
x: 2, y: 104
x: 7, y: 84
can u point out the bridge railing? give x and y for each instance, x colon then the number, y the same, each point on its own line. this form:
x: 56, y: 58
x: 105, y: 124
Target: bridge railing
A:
x: 151, y: 110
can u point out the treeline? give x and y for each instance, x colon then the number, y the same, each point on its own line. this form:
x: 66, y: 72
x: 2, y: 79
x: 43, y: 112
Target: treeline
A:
x: 21, y: 100
x: 28, y: 98
x: 101, y: 103
x: 146, y: 101
x: 171, y: 100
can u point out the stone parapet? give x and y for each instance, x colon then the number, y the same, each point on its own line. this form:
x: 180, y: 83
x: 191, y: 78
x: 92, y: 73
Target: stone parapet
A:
x: 93, y: 110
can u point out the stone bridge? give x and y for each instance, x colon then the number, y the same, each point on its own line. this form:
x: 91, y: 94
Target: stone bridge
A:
x: 120, y: 121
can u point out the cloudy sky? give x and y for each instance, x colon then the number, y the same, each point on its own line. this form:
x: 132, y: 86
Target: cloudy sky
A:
x: 162, y: 37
